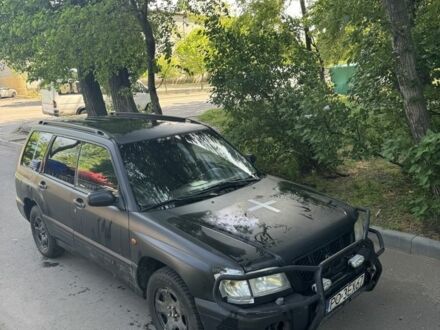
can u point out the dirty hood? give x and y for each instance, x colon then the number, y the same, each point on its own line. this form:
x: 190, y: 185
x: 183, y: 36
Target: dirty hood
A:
x: 270, y: 221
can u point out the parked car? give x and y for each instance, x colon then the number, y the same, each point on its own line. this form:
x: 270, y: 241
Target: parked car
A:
x: 7, y: 92
x: 66, y: 99
x: 174, y: 210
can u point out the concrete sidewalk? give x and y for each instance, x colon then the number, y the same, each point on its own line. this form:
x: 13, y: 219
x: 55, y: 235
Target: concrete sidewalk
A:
x: 16, y: 132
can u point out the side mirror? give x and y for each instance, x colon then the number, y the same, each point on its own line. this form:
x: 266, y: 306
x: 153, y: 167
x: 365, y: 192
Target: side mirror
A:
x: 251, y: 158
x: 101, y: 198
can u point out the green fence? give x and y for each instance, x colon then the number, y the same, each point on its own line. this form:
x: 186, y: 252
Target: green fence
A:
x: 341, y: 76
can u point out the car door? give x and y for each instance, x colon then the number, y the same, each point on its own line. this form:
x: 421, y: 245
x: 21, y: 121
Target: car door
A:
x: 101, y: 233
x: 57, y: 186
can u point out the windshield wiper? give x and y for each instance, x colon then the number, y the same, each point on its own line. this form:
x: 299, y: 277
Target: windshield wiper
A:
x: 237, y: 183
x: 181, y: 200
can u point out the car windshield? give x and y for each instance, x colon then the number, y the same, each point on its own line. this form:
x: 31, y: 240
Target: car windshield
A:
x: 181, y: 166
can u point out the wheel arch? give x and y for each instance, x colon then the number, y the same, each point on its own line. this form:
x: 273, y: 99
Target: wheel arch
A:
x: 190, y: 269
x: 28, y: 205
x: 80, y: 110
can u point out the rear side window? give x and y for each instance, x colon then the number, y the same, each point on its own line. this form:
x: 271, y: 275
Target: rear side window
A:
x: 35, y: 150
x: 62, y: 159
x: 95, y: 168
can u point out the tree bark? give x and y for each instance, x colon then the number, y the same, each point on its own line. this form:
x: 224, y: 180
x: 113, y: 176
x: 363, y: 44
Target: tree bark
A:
x: 151, y: 67
x: 141, y: 9
x: 306, y: 28
x: 120, y: 91
x: 92, y: 94
x: 405, y: 57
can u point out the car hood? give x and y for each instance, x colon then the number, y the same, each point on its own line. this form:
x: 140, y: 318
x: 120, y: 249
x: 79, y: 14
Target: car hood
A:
x: 270, y: 220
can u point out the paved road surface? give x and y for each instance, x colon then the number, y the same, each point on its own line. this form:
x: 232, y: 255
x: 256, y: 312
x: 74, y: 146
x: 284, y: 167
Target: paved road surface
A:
x: 178, y: 104
x: 73, y: 293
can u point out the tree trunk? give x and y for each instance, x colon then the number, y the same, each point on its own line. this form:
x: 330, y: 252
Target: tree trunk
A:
x: 140, y: 8
x: 306, y: 28
x: 92, y: 94
x: 151, y: 57
x: 120, y: 90
x: 405, y: 70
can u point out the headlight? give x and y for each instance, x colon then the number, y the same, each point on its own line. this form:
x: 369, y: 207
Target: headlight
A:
x: 243, y: 292
x: 265, y: 285
x: 360, y: 227
x: 237, y: 292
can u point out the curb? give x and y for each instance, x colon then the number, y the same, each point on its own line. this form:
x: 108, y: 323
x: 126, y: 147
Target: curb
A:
x: 410, y: 243
x: 163, y: 92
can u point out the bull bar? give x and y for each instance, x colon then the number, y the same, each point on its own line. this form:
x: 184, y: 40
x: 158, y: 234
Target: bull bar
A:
x: 319, y: 297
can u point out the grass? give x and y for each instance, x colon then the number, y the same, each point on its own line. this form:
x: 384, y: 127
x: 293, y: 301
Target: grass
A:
x: 375, y: 184
x: 214, y: 117
x: 381, y: 187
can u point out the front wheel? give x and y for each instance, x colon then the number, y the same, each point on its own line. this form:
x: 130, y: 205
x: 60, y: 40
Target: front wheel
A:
x: 170, y: 303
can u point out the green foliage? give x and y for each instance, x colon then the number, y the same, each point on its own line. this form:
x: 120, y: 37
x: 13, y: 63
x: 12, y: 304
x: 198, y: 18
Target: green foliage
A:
x: 47, y: 38
x: 423, y: 164
x: 269, y: 83
x: 167, y: 68
x: 191, y: 52
x: 350, y: 31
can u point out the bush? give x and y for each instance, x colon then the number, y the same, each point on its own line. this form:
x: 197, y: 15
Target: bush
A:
x: 271, y: 87
x: 423, y: 164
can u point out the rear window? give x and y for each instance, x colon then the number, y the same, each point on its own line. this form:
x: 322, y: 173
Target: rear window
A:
x: 35, y: 150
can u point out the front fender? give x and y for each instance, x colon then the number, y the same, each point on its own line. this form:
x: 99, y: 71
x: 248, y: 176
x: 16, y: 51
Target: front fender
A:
x: 186, y: 257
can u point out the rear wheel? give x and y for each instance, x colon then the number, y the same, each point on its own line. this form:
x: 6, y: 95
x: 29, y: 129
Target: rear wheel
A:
x: 46, y: 243
x: 82, y: 111
x: 170, y: 303
x: 14, y: 95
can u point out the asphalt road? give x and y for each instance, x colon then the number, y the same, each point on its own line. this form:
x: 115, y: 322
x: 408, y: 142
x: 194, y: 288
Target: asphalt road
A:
x: 184, y: 104
x: 73, y: 293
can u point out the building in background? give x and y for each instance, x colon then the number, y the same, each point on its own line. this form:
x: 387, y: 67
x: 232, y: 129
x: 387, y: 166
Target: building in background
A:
x: 11, y: 79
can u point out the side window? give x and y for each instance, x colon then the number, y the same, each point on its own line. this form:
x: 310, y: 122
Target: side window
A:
x: 62, y: 160
x: 35, y: 150
x: 95, y: 168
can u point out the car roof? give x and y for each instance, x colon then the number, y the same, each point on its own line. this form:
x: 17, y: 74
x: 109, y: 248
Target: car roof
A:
x: 127, y: 128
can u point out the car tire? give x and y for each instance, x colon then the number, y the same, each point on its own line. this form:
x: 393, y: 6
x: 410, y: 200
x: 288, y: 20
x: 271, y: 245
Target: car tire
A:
x: 82, y: 111
x: 45, y: 242
x: 14, y: 95
x: 169, y: 300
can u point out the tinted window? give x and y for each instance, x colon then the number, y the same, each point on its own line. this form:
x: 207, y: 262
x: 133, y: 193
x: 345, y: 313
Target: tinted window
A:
x: 62, y: 159
x: 35, y: 150
x: 181, y: 165
x: 95, y: 169
x: 68, y: 88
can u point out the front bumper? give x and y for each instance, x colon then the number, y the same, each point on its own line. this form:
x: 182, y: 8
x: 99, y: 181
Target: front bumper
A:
x: 296, y: 311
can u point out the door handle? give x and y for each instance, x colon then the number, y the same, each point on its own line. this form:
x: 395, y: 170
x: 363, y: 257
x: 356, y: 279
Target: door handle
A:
x: 42, y: 185
x: 79, y: 203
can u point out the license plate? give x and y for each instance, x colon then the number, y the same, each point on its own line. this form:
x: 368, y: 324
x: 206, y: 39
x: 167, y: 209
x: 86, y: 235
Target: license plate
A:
x: 345, y: 293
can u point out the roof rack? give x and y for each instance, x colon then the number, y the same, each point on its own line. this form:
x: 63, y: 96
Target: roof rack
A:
x: 154, y: 117
x: 74, y: 126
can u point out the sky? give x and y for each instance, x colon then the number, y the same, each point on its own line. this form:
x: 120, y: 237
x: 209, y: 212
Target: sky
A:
x: 293, y: 9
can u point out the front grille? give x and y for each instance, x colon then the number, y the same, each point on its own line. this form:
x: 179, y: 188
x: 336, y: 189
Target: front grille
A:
x: 302, y: 281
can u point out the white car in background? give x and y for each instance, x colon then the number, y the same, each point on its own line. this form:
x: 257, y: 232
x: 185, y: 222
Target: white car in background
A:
x: 7, y: 92
x: 66, y: 99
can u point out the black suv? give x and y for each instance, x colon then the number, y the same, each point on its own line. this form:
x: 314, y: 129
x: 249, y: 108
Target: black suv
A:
x: 187, y: 221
